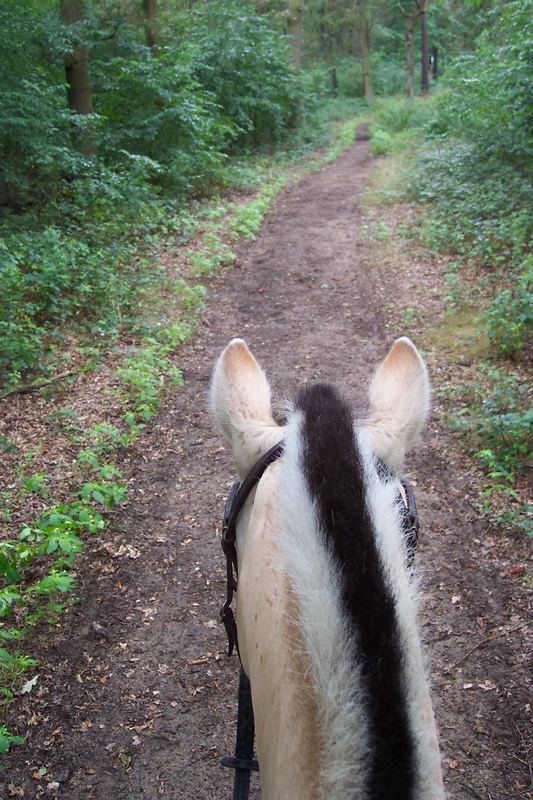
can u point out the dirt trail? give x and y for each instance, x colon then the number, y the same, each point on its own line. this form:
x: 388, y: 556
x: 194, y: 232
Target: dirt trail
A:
x: 143, y: 701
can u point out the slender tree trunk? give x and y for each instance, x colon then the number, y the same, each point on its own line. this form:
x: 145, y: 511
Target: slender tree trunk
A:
x: 151, y: 27
x: 410, y: 60
x: 435, y: 62
x: 77, y: 73
x: 294, y: 24
x: 334, y: 81
x: 364, y: 44
x: 424, y: 53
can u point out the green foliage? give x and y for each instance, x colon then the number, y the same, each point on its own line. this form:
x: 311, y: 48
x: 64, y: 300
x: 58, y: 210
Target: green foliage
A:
x: 34, y: 122
x: 36, y: 483
x: 158, y: 114
x: 382, y: 142
x: 7, y: 739
x: 499, y: 415
x: 491, y: 91
x: 143, y: 376
x: 497, y: 420
x: 476, y: 179
x: 509, y: 316
x: 397, y: 122
x: 470, y: 166
x: 245, y: 66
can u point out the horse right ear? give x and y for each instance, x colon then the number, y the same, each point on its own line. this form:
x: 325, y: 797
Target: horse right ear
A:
x: 240, y: 402
x: 399, y: 397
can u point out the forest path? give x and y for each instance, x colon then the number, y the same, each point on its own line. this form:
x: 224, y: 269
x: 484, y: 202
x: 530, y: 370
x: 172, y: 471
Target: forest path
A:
x: 143, y: 701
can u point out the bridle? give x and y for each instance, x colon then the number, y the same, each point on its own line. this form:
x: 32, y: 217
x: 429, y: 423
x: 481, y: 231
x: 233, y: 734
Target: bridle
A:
x: 236, y: 499
x: 243, y: 762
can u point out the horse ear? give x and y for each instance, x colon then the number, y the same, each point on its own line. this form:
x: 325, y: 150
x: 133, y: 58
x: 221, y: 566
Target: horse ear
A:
x: 240, y: 402
x: 399, y: 397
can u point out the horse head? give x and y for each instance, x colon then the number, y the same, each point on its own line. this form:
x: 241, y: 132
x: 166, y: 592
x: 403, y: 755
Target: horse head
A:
x: 326, y: 601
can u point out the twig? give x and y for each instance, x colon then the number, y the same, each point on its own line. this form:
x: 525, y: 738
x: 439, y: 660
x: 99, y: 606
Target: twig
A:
x: 33, y: 387
x: 526, y: 764
x: 471, y: 790
x: 489, y: 639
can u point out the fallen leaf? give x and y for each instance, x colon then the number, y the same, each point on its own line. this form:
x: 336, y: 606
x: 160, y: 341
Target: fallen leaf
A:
x: 28, y: 686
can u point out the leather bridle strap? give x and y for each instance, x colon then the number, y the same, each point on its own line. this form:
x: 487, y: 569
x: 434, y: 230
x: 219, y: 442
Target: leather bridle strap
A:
x: 410, y: 522
x: 237, y: 497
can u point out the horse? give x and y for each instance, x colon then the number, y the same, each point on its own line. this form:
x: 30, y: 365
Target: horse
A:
x: 327, y: 598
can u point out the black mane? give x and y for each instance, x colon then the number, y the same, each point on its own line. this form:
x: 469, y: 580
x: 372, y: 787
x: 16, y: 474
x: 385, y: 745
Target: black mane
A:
x: 334, y: 474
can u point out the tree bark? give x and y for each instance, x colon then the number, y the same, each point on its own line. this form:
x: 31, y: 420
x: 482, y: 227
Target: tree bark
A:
x: 151, y: 26
x: 424, y: 53
x: 364, y: 44
x: 77, y: 73
x: 410, y: 61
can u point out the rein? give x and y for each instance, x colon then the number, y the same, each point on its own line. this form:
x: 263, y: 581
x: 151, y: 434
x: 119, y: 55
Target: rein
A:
x: 243, y: 762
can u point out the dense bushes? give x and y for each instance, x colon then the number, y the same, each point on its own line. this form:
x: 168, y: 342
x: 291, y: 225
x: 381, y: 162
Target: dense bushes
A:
x: 244, y: 65
x: 491, y: 99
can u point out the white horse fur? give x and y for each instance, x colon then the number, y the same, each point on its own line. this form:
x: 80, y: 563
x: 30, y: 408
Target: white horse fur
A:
x: 312, y: 706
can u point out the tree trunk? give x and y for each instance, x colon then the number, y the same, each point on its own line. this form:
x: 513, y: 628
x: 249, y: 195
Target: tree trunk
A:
x: 410, y: 61
x: 364, y: 43
x: 334, y: 82
x: 294, y: 25
x: 151, y: 27
x: 424, y: 53
x: 435, y: 62
x: 77, y: 74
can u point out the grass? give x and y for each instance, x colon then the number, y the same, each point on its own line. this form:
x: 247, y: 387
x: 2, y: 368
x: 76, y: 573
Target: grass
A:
x: 461, y: 334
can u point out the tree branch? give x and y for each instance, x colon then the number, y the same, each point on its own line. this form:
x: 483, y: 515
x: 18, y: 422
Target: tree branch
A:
x: 489, y: 639
x: 33, y: 387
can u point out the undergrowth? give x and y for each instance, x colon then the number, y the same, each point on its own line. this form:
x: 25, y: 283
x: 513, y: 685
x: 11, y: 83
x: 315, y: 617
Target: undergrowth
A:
x: 476, y: 207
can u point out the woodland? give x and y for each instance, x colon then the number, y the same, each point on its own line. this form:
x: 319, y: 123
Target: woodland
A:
x: 126, y: 124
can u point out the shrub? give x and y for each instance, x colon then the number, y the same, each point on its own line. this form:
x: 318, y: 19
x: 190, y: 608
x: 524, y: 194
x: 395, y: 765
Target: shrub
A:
x: 245, y: 66
x: 492, y: 89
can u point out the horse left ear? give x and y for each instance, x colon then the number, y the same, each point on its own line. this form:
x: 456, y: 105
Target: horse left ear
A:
x: 399, y: 397
x: 240, y: 402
